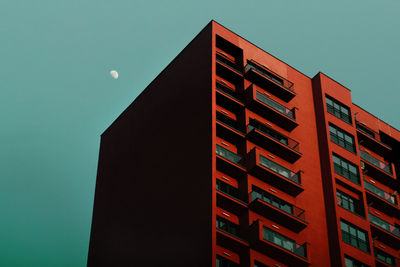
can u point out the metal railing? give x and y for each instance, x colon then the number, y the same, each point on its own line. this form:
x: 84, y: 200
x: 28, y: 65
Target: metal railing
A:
x: 376, y: 162
x: 380, y: 193
x: 229, y: 190
x: 343, y: 142
x: 227, y: 90
x: 284, y: 140
x: 284, y: 242
x: 229, y: 122
x: 229, y: 155
x: 371, y: 133
x: 275, y: 105
x: 275, y: 167
x: 229, y: 227
x: 228, y: 62
x: 384, y: 225
x: 269, y: 74
x: 278, y: 203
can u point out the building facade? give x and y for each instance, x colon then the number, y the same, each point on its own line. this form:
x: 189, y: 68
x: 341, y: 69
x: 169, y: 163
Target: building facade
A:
x: 231, y: 157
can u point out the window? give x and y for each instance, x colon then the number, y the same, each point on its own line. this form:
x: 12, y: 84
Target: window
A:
x: 354, y: 236
x: 223, y: 262
x: 271, y: 199
x: 227, y: 188
x: 349, y: 203
x: 346, y: 169
x: 341, y: 138
x: 284, y: 242
x: 338, y: 109
x: 268, y: 131
x: 227, y: 226
x: 350, y: 262
x: 383, y: 256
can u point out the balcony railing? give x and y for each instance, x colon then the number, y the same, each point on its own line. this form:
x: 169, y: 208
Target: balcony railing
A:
x: 384, y: 257
x: 228, y: 227
x: 254, y: 124
x: 269, y: 74
x: 376, y: 162
x: 228, y: 62
x: 384, y: 225
x: 229, y: 155
x: 278, y: 203
x: 227, y: 189
x: 229, y: 122
x: 221, y: 262
x: 275, y: 167
x: 275, y: 105
x: 368, y: 131
x: 379, y: 192
x: 227, y: 90
x: 284, y: 242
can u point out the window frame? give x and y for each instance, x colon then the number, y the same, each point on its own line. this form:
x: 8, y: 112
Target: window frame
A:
x: 336, y: 109
x: 354, y: 262
x: 340, y: 137
x: 354, y: 205
x: 345, y: 165
x: 353, y: 236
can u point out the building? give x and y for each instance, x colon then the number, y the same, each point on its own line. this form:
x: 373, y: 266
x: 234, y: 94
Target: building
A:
x: 231, y: 157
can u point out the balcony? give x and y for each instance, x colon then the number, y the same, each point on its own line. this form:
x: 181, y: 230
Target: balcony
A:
x: 221, y: 261
x: 381, y: 199
x: 277, y: 246
x: 376, y: 162
x: 227, y: 97
x: 267, y: 107
x: 229, y: 235
x: 377, y: 169
x: 227, y: 67
x: 274, y: 174
x: 228, y: 197
x: 229, y: 162
x: 269, y: 80
x: 384, y: 259
x: 229, y: 129
x: 385, y: 232
x: 278, y: 210
x: 371, y: 139
x: 274, y: 141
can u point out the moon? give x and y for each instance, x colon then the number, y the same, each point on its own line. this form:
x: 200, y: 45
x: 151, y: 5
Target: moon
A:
x: 114, y: 74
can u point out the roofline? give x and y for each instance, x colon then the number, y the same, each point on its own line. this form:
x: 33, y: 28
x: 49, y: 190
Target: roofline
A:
x: 260, y: 48
x: 320, y: 72
x: 376, y: 117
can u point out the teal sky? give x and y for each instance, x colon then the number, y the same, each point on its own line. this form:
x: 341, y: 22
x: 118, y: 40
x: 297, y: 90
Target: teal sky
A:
x: 57, y: 97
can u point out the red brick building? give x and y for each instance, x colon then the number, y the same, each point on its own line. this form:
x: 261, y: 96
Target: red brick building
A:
x: 231, y: 157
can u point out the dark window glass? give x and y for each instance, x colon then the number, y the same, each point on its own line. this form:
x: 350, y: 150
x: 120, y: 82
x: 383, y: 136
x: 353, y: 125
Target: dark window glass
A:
x: 349, y: 203
x: 228, y: 226
x: 284, y: 242
x: 231, y: 123
x: 268, y: 131
x: 354, y: 236
x: 383, y: 256
x: 338, y: 109
x: 223, y: 262
x: 271, y: 199
x: 341, y: 138
x: 228, y: 189
x: 350, y: 262
x: 346, y: 169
